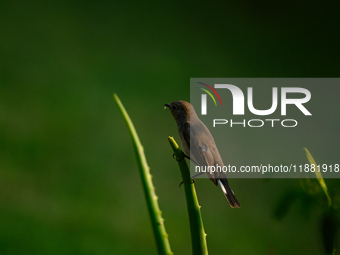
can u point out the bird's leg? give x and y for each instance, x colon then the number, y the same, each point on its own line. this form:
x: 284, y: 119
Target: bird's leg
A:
x: 196, y: 175
x: 179, y: 160
x: 173, y: 155
x: 192, y: 179
x: 185, y: 156
x: 190, y: 159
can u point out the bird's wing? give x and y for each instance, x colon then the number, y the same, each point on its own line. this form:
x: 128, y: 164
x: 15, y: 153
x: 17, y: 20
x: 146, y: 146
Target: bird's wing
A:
x: 199, y: 150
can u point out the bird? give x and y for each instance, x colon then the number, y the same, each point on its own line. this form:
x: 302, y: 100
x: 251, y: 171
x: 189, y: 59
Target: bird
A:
x: 202, y: 145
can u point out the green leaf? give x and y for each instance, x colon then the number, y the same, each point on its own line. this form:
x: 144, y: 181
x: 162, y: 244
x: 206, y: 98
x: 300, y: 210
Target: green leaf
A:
x: 318, y: 175
x: 157, y: 221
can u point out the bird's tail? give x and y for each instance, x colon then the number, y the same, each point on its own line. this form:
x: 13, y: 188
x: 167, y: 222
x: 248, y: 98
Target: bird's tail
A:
x: 229, y: 194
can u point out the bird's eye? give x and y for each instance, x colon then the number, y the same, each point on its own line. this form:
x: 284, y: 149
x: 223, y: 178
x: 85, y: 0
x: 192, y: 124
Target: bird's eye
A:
x: 173, y: 108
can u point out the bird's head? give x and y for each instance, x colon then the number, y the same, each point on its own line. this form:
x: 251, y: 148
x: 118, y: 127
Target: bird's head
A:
x: 181, y: 110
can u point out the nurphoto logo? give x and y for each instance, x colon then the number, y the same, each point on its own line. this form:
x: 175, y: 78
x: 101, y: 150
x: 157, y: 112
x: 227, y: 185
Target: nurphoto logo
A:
x: 239, y: 104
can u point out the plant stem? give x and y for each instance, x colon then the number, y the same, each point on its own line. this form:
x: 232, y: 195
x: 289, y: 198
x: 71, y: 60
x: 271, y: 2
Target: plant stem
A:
x: 198, y: 236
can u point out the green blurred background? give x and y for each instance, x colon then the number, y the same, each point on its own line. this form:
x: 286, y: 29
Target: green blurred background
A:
x: 69, y: 182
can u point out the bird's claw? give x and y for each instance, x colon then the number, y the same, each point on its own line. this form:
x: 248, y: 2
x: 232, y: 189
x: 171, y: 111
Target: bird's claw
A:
x: 173, y: 155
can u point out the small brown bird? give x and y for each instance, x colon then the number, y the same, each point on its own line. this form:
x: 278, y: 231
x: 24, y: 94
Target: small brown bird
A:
x: 203, y: 148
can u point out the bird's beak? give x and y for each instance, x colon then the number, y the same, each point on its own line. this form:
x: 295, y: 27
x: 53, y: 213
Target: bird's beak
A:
x: 167, y: 105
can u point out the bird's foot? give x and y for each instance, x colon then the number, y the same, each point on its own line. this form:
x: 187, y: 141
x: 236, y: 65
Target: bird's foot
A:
x: 183, y: 156
x: 191, y: 182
